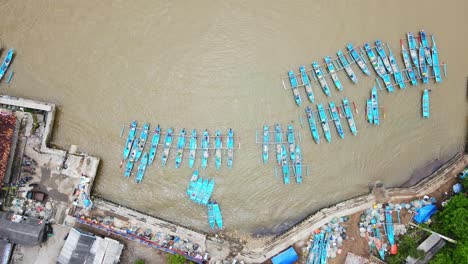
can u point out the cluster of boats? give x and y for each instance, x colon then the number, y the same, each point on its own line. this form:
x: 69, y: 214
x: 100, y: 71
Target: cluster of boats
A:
x: 6, y: 63
x: 200, y: 190
x: 372, y: 109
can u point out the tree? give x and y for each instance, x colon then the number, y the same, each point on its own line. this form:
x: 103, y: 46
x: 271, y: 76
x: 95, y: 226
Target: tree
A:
x: 453, y: 220
x: 175, y: 259
x: 407, y: 247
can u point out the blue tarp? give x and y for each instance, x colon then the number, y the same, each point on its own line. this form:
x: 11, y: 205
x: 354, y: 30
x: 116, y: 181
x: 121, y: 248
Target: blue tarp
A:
x: 286, y: 257
x: 424, y: 213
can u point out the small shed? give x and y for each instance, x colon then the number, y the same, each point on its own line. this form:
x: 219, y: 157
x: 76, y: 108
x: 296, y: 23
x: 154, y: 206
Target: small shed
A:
x: 430, y: 246
x: 22, y: 230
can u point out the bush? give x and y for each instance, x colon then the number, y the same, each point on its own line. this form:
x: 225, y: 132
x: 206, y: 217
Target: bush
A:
x: 407, y: 246
x: 175, y: 259
x: 139, y: 261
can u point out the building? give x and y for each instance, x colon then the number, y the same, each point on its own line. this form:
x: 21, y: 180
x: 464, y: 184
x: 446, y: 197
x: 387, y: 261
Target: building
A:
x: 430, y: 246
x: 8, y: 138
x: 22, y: 230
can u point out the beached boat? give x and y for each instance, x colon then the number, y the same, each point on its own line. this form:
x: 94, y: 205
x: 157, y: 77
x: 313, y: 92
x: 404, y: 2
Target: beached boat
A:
x: 324, y: 121
x: 192, y: 183
x: 279, y: 142
x: 130, y: 138
x: 205, y: 149
x: 375, y: 106
x: 202, y: 191
x: 193, y: 148
x: 383, y: 55
x: 336, y: 118
x: 217, y: 215
x: 319, y: 74
x: 427, y: 49
x: 266, y: 141
x: 180, y: 148
x: 376, y: 61
x: 167, y: 146
x: 312, y: 124
x: 129, y: 167
x: 154, y: 144
x: 390, y: 231
x: 218, y: 147
x: 291, y: 142
x: 332, y: 71
x: 357, y: 58
x: 211, y: 217
x: 196, y: 190
x: 295, y: 90
x: 413, y: 49
x: 6, y: 63
x: 208, y: 192
x: 345, y: 64
x: 307, y: 84
x: 422, y: 65
x: 409, y: 69
x: 141, y: 142
x: 142, y: 168
x: 425, y: 104
x: 396, y: 71
x: 435, y: 61
x: 230, y: 148
x: 285, y: 164
x: 370, y: 113
x: 349, y: 116
x: 298, y: 165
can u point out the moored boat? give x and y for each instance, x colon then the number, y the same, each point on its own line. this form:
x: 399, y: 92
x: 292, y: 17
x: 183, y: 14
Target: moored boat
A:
x: 332, y: 71
x: 129, y: 141
x: 423, y: 66
x: 307, y: 84
x: 409, y: 69
x: 324, y: 121
x: 396, y: 71
x: 205, y: 151
x: 218, y: 146
x: 208, y: 192
x: 298, y: 164
x: 217, y: 215
x: 291, y: 142
x: 375, y: 61
x: 196, y: 190
x: 154, y: 144
x: 349, y: 116
x: 413, y: 50
x: 435, y: 61
x: 6, y: 63
x: 319, y: 74
x: 266, y: 141
x: 141, y: 142
x: 230, y: 148
x: 383, y: 55
x: 128, y: 168
x: 375, y: 106
x: 312, y: 124
x: 193, y: 148
x: 425, y: 104
x: 285, y: 164
x: 279, y: 142
x: 336, y: 119
x: 294, y: 85
x: 211, y: 217
x: 370, y: 113
x: 202, y: 191
x: 167, y: 146
x: 142, y: 168
x: 357, y: 58
x: 427, y: 49
x: 192, y: 183
x: 180, y: 148
x: 349, y: 71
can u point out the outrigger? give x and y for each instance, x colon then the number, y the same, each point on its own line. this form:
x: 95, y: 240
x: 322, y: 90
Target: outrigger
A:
x: 324, y: 121
x: 435, y: 61
x: 142, y: 168
x: 266, y: 140
x: 208, y: 192
x: 130, y: 138
x: 321, y: 78
x: 230, y: 148
x: 298, y: 165
x: 375, y: 106
x: 312, y: 124
x: 279, y: 141
x: 192, y: 183
x: 425, y: 45
x: 345, y: 64
x: 425, y: 104
x: 383, y: 55
x: 6, y: 63
x: 284, y: 164
x: 291, y: 142
x: 409, y: 69
x: 413, y: 50
x: 205, y: 152
x: 180, y: 148
x: 349, y: 116
x: 331, y: 70
x: 379, y: 67
x: 139, y: 145
x: 218, y: 146
x: 154, y: 144
x: 129, y: 167
x: 294, y: 85
x: 396, y: 71
x: 370, y: 113
x: 336, y: 118
x: 357, y: 58
x: 306, y: 82
x: 167, y: 146
x: 211, y: 217
x: 422, y: 64
x: 217, y: 215
x: 193, y: 148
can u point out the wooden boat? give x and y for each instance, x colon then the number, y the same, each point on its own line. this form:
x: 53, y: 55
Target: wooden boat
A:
x: 435, y: 61
x: 298, y: 164
x: 142, y: 168
x: 307, y: 84
x: 376, y: 62
x: 196, y: 190
x: 383, y: 55
x: 141, y: 142
x: 217, y: 215
x: 291, y: 142
x: 279, y: 142
x: 319, y: 74
x: 294, y: 85
x: 324, y: 121
x: 425, y: 104
x: 211, y: 217
x: 180, y: 148
x: 167, y: 146
x: 205, y: 149
x: 154, y: 145
x: 192, y: 183
x: 285, y: 164
x: 357, y: 58
x: 208, y: 192
x: 193, y: 148
x: 218, y: 147
x: 266, y: 141
x: 349, y: 116
x: 427, y: 49
x: 370, y: 113
x: 390, y: 231
x: 409, y: 69
x: 128, y: 168
x: 345, y: 64
x: 375, y: 106
x: 331, y: 70
x: 396, y: 71
x: 336, y: 119
x: 202, y: 191
x: 130, y: 138
x: 6, y: 63
x: 422, y: 65
x: 413, y: 50
x: 230, y: 148
x: 312, y: 124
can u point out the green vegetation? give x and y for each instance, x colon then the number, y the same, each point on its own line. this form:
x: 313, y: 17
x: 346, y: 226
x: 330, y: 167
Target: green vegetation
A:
x: 407, y: 246
x: 175, y: 259
x: 139, y: 261
x: 35, y: 124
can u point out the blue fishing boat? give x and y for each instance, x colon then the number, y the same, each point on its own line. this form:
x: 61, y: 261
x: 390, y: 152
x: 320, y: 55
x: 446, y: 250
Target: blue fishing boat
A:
x: 349, y: 71
x: 141, y: 143
x: 205, y: 149
x: 211, y: 217
x: 294, y: 84
x: 427, y: 49
x: 336, y: 118
x: 217, y: 215
x: 298, y: 164
x: 324, y: 121
x: 128, y: 168
x: 331, y: 70
x: 390, y: 231
x: 6, y: 63
x: 266, y: 141
x: 192, y: 183
x: 396, y: 71
x: 167, y: 146
x: 375, y: 106
x: 230, y: 148
x: 370, y: 113
x: 180, y: 148
x: 376, y: 62
x: 218, y: 147
x: 193, y: 148
x: 319, y: 74
x: 349, y: 116
x: 130, y: 138
x: 312, y: 124
x: 285, y: 164
x: 307, y: 84
x: 423, y: 66
x: 279, y: 141
x: 425, y: 104
x: 291, y: 142
x: 196, y: 190
x: 357, y: 58
x: 413, y: 50
x: 208, y: 192
x: 154, y: 145
x: 435, y: 61
x: 409, y: 69
x: 202, y: 191
x: 142, y: 168
x: 383, y: 55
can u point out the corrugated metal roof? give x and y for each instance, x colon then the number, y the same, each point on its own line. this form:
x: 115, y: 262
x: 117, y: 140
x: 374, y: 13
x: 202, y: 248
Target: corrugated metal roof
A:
x: 7, y: 129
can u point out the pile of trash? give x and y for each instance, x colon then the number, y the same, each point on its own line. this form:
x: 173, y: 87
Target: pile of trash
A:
x: 33, y: 209
x: 81, y: 194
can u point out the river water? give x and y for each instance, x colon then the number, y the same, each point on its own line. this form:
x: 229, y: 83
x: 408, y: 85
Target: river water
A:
x: 218, y: 64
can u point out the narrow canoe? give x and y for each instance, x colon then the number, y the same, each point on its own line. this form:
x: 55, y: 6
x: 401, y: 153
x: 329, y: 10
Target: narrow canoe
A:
x: 201, y: 193
x: 409, y: 69
x: 266, y: 141
x: 390, y: 231
x: 154, y: 145
x: 218, y: 146
x: 211, y: 217
x: 230, y: 148
x: 217, y: 215
x: 425, y: 104
x: 208, y: 192
x: 319, y: 74
x: 312, y: 124
x: 291, y: 142
x: 413, y: 49
x: 375, y: 106
x: 383, y: 55
x: 196, y: 189
x: 180, y: 148
x: 192, y: 183
x: 396, y: 71
x: 141, y: 142
x: 357, y: 58
x: 294, y: 85
x: 130, y: 138
x: 370, y: 114
x: 349, y: 71
x: 324, y: 121
x: 6, y: 63
x: 375, y: 61
x: 128, y: 168
x: 349, y: 116
x: 332, y: 71
x: 167, y: 146
x: 279, y: 141
x: 142, y: 168
x: 193, y: 148
x: 285, y: 164
x: 435, y: 61
x: 423, y: 66
x: 427, y: 49
x: 307, y: 84
x: 336, y: 119
x: 205, y: 150
x: 298, y: 165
